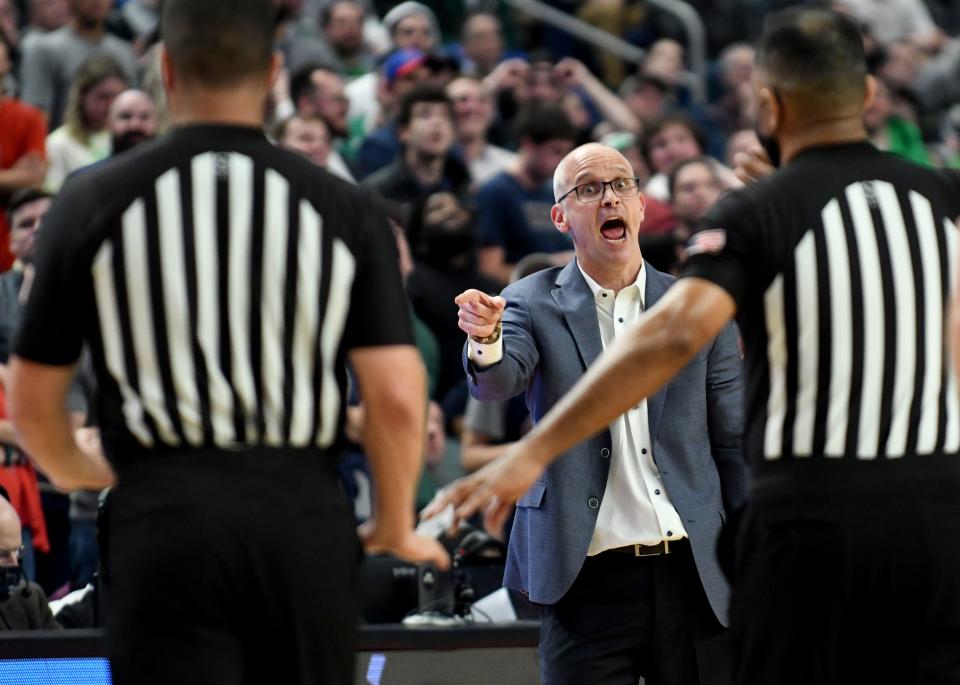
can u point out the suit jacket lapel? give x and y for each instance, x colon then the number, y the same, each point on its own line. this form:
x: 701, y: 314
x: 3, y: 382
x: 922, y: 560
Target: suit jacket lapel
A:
x: 575, y: 300
x: 657, y: 284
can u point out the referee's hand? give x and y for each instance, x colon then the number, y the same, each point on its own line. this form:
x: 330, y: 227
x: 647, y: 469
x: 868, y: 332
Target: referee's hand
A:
x: 753, y: 165
x: 479, y: 313
x: 492, y: 489
x: 404, y: 544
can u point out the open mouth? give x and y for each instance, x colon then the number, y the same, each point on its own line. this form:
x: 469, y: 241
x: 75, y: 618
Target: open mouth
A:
x: 614, y: 229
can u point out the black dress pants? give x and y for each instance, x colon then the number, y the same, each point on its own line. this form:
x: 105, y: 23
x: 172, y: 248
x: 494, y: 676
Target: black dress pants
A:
x: 231, y: 568
x: 628, y: 617
x: 857, y: 584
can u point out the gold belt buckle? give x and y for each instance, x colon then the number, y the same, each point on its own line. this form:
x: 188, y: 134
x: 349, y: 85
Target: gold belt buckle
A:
x: 665, y: 544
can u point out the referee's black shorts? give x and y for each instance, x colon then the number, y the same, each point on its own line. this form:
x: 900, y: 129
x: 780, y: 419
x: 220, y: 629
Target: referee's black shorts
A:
x: 231, y: 567
x: 850, y: 580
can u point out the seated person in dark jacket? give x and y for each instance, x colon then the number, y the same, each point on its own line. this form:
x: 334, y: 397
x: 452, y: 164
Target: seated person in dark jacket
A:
x: 83, y: 608
x: 23, y: 605
x: 444, y: 248
x: 425, y: 164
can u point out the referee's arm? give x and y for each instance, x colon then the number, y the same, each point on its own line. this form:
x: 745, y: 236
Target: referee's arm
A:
x: 37, y: 404
x: 394, y: 387
x: 659, y: 345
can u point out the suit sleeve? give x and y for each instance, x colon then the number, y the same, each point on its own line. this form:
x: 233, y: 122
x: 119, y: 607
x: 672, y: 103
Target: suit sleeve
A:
x: 725, y: 416
x: 513, y: 373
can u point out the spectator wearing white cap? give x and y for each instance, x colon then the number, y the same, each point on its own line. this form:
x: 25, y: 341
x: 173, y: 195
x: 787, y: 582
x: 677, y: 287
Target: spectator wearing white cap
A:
x: 410, y: 25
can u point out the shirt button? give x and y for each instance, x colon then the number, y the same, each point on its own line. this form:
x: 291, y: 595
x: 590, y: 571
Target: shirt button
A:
x: 593, y: 503
x: 620, y: 319
x: 603, y: 294
x: 656, y: 492
x: 643, y: 451
x: 604, y: 453
x: 669, y: 533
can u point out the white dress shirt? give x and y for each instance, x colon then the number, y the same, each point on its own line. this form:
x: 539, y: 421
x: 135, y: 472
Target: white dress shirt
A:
x: 635, y: 508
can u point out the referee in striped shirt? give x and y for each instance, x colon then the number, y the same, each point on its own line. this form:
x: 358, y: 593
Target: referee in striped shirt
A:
x: 221, y: 284
x: 838, y: 269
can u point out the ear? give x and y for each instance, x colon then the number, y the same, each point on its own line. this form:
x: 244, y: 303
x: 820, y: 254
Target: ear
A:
x: 276, y: 66
x: 166, y: 70
x: 559, y: 218
x: 643, y: 205
x: 769, y: 111
x: 869, y: 90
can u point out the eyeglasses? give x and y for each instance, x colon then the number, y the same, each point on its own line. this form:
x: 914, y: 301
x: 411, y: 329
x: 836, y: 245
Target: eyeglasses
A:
x: 15, y: 554
x: 593, y: 191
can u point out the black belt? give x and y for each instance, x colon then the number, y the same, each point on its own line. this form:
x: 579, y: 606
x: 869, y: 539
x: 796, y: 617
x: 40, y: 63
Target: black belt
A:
x: 662, y: 547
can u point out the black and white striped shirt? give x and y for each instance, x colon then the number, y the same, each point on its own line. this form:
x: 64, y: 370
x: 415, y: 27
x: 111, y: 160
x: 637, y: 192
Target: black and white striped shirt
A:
x: 841, y: 266
x: 219, y: 281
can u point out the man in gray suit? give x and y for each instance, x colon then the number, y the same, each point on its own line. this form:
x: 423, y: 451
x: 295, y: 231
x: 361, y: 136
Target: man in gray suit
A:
x: 617, y: 538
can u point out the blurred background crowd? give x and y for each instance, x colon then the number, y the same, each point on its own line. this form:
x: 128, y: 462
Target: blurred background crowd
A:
x: 455, y: 114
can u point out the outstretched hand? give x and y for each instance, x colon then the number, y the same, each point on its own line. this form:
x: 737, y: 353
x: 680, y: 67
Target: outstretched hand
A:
x: 479, y: 313
x: 494, y: 488
x: 405, y: 544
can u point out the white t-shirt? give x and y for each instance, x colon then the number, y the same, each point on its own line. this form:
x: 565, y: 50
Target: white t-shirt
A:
x: 66, y: 154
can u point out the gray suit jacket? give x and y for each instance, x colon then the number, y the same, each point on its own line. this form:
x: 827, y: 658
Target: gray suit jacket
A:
x: 550, y: 337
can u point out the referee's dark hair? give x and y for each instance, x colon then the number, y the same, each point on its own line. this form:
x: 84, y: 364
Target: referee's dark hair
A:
x: 815, y: 54
x: 218, y: 44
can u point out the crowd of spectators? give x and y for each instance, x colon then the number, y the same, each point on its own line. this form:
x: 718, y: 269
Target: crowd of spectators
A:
x: 454, y: 115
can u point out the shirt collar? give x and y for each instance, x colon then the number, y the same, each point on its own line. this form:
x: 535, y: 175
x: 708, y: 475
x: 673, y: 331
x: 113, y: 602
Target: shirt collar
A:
x: 605, y: 294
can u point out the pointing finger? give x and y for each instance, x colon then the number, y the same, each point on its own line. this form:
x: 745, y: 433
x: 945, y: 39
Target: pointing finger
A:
x: 469, y: 296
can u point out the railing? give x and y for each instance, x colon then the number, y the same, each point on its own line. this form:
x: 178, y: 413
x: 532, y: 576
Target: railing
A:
x: 696, y: 41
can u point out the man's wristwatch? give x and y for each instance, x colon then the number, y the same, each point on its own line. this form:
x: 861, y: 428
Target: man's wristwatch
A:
x: 490, y: 339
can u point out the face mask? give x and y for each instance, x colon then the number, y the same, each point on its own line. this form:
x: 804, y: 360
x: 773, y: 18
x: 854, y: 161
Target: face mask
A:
x: 10, y: 578
x: 770, y: 146
x: 769, y: 143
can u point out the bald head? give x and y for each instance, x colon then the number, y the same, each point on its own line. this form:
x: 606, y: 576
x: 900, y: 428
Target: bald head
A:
x: 131, y: 99
x: 579, y: 159
x: 132, y: 119
x: 10, y: 534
